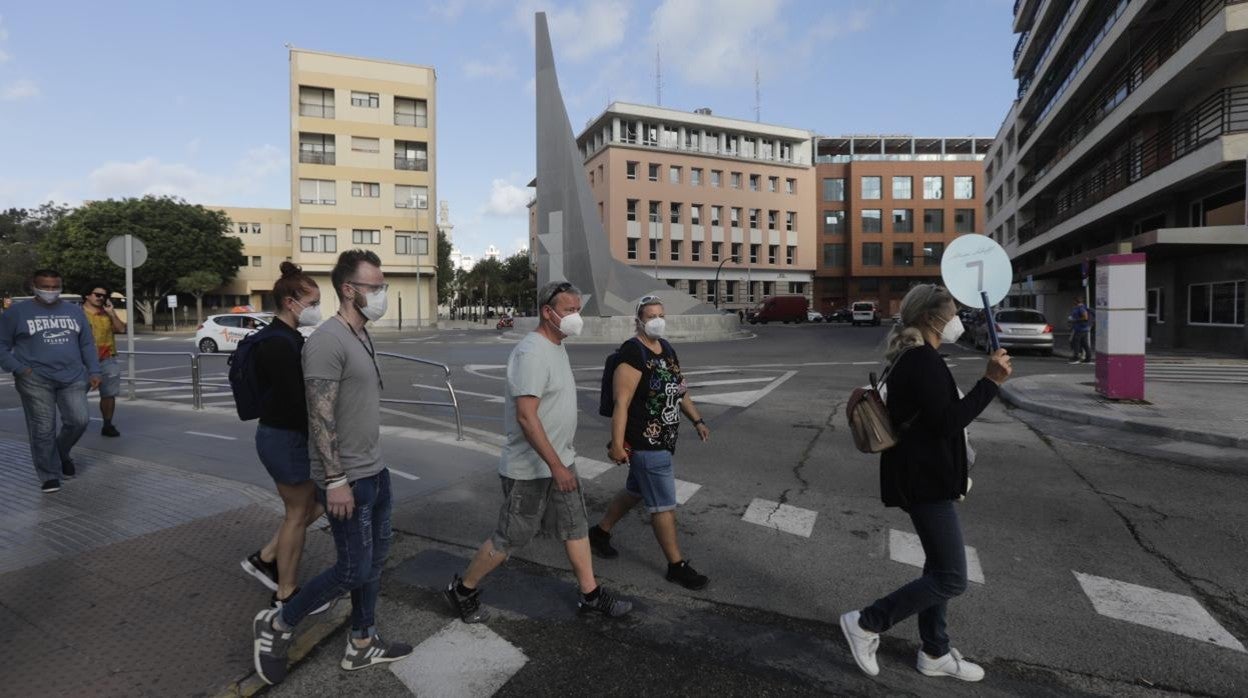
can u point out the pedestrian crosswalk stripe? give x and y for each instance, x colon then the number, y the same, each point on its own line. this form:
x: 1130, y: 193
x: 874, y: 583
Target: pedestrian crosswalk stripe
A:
x: 685, y: 490
x: 1153, y: 608
x: 782, y: 517
x: 906, y: 548
x: 465, y: 660
x: 588, y: 468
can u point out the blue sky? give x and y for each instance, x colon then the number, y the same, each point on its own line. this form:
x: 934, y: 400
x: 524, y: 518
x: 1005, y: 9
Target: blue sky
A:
x: 126, y: 98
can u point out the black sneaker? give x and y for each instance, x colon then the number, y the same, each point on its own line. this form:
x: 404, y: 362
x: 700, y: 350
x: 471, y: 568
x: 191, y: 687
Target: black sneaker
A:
x: 50, y: 486
x: 606, y: 604
x: 684, y: 575
x: 269, y: 647
x: 264, y: 572
x: 276, y: 603
x: 68, y: 471
x: 600, y: 543
x: 467, y: 607
x: 109, y: 430
x: 376, y: 652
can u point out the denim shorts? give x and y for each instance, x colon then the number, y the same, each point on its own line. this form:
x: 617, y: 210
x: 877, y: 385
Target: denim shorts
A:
x: 110, y: 377
x: 284, y: 453
x: 650, y: 477
x: 533, y: 505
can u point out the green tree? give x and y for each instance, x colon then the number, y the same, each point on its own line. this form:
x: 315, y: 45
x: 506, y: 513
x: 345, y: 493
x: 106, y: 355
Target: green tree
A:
x: 446, y: 273
x: 21, y: 231
x: 485, y: 283
x: 197, y: 283
x: 519, y: 281
x: 180, y: 238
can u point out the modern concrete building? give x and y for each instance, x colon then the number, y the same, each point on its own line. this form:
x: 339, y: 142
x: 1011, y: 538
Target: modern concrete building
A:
x: 1129, y: 133
x: 363, y: 156
x: 887, y: 207
x: 682, y: 194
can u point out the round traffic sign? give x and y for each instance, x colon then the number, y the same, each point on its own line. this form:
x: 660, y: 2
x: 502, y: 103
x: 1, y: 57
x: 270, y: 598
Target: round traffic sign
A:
x: 973, y: 264
x: 117, y: 251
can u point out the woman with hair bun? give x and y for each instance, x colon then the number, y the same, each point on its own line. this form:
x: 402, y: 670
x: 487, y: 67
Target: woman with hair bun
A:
x: 282, y: 434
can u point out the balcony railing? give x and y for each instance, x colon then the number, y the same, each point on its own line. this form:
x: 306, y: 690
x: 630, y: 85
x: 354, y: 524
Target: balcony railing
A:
x: 1145, y: 60
x: 1022, y: 41
x: 1223, y: 112
x: 320, y: 111
x: 417, y: 120
x: 1024, y: 83
x: 316, y: 157
x: 416, y: 164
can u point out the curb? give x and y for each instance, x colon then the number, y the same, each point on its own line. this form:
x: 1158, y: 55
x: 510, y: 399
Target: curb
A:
x: 1011, y: 396
x: 303, y: 645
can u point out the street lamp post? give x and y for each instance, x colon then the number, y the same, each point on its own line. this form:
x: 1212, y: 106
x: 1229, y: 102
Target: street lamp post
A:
x: 717, y: 270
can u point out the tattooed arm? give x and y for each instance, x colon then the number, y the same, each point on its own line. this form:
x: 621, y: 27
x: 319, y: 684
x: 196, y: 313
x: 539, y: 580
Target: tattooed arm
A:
x: 323, y: 439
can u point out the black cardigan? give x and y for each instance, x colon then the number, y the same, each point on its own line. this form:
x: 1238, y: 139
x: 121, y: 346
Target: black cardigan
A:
x: 280, y: 373
x: 929, y: 463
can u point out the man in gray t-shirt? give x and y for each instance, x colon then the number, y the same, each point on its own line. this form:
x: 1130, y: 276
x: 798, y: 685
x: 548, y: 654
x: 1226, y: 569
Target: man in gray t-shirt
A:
x: 536, y: 470
x: 336, y: 353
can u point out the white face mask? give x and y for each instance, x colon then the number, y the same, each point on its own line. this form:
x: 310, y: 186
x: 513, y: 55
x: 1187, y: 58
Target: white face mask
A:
x: 953, y: 330
x: 655, y: 327
x: 376, y: 305
x: 310, y: 315
x: 48, y: 297
x: 570, y: 325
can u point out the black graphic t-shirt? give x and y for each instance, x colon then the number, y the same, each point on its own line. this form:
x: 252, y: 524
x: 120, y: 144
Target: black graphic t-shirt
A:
x: 654, y: 413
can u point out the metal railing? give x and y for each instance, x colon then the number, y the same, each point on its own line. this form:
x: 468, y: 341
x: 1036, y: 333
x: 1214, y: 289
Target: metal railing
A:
x: 193, y: 383
x: 417, y: 120
x: 450, y: 389
x: 416, y: 164
x: 320, y: 111
x: 313, y: 157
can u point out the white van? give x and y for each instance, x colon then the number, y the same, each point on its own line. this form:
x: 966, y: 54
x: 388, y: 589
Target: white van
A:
x: 865, y: 313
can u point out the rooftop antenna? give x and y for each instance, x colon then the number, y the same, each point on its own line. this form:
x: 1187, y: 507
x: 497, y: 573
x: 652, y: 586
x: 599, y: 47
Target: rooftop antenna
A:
x: 658, y: 76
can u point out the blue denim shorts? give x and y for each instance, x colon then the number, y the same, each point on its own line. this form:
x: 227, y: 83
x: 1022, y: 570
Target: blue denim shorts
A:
x: 284, y: 453
x: 650, y: 477
x: 110, y: 377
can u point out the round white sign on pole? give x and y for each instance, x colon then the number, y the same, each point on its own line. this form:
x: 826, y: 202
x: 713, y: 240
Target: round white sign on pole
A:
x: 973, y: 264
x: 117, y: 251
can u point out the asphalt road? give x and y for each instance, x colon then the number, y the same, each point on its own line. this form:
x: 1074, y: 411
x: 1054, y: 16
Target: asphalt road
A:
x: 1071, y: 532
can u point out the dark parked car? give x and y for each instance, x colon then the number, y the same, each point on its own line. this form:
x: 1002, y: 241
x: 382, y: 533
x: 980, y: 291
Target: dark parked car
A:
x: 840, y: 315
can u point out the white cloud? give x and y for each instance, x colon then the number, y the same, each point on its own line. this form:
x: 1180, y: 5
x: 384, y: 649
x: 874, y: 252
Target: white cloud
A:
x: 499, y: 69
x: 506, y: 199
x: 17, y: 91
x: 582, y: 31
x: 4, y: 36
x: 4, y: 57
x: 151, y: 176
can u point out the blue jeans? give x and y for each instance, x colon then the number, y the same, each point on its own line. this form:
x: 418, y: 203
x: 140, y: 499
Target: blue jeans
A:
x: 363, y: 543
x: 1081, y: 345
x: 41, y: 398
x: 944, y: 577
x: 650, y: 477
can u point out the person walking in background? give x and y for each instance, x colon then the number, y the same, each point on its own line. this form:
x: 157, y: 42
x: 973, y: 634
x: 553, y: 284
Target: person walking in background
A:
x: 46, y: 343
x: 104, y: 326
x: 536, y: 467
x: 650, y: 394
x: 282, y: 434
x: 343, y: 386
x: 924, y: 474
x: 1080, y: 333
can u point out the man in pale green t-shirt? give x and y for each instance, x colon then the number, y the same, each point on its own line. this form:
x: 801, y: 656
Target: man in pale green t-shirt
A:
x: 536, y: 468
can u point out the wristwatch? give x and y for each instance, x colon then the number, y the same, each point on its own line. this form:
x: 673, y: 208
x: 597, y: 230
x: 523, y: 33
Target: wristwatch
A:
x: 698, y: 421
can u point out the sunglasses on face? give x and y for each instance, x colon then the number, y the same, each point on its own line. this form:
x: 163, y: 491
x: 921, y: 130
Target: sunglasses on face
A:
x: 98, y: 295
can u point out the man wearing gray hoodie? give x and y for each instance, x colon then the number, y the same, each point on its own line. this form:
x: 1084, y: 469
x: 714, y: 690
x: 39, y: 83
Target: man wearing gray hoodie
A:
x: 46, y: 344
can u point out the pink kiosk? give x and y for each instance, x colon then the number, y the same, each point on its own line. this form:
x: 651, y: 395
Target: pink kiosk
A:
x: 1121, y: 326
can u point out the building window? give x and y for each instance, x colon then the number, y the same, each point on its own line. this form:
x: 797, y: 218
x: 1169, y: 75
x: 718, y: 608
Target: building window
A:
x: 675, y: 245
x: 632, y: 210
x: 734, y: 215
x: 754, y: 218
x: 411, y: 112
x: 717, y: 178
x: 1220, y: 303
x: 365, y: 145
x: 316, y: 102
x: 790, y: 186
x: 369, y: 100
x: 317, y: 191
x: 903, y: 254
x: 591, y: 178
x: 933, y: 187
x: 964, y: 220
x: 316, y: 148
x: 754, y: 253
x: 834, y: 189
x: 773, y: 184
x: 833, y: 254
x: 932, y: 253
x: 716, y: 212
x: 317, y: 240
x: 255, y: 261
x: 695, y: 251
x: 736, y: 251
x: 772, y: 251
x: 654, y: 212
x: 790, y: 256
x: 673, y: 175
x: 964, y: 188
x: 872, y: 220
x: 411, y: 155
x: 408, y: 196
x: 365, y: 237
x: 870, y: 187
x: 833, y: 222
x: 717, y: 250
x: 695, y: 214
x: 736, y: 180
x: 873, y: 254
x: 653, y: 172
x: 933, y: 220
x: 903, y: 187
x: 630, y: 169
x: 411, y: 244
x: 754, y: 179
x: 367, y: 190
x: 654, y: 250
x: 632, y: 248
x: 674, y: 213
x: 772, y: 217
x: 695, y: 176
x: 903, y: 220
x: 1156, y: 305
x: 255, y: 228
x: 790, y: 220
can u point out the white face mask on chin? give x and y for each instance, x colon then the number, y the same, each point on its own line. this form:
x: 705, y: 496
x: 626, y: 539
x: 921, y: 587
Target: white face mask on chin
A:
x: 952, y: 331
x: 48, y: 297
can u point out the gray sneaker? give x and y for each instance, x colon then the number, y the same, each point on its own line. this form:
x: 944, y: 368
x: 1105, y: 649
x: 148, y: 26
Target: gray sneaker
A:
x: 269, y: 647
x: 606, y: 604
x: 377, y: 652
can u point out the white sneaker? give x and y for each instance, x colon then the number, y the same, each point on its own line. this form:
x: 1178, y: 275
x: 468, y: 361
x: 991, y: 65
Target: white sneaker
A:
x: 951, y: 664
x: 862, y: 643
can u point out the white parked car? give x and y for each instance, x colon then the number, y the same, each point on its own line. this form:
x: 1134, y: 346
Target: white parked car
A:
x: 814, y: 316
x: 224, y: 332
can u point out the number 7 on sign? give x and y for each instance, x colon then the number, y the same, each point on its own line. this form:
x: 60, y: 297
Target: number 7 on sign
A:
x: 979, y: 268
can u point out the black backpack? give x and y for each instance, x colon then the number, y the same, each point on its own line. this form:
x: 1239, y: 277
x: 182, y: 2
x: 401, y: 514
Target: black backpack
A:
x: 606, y: 394
x: 249, y: 397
